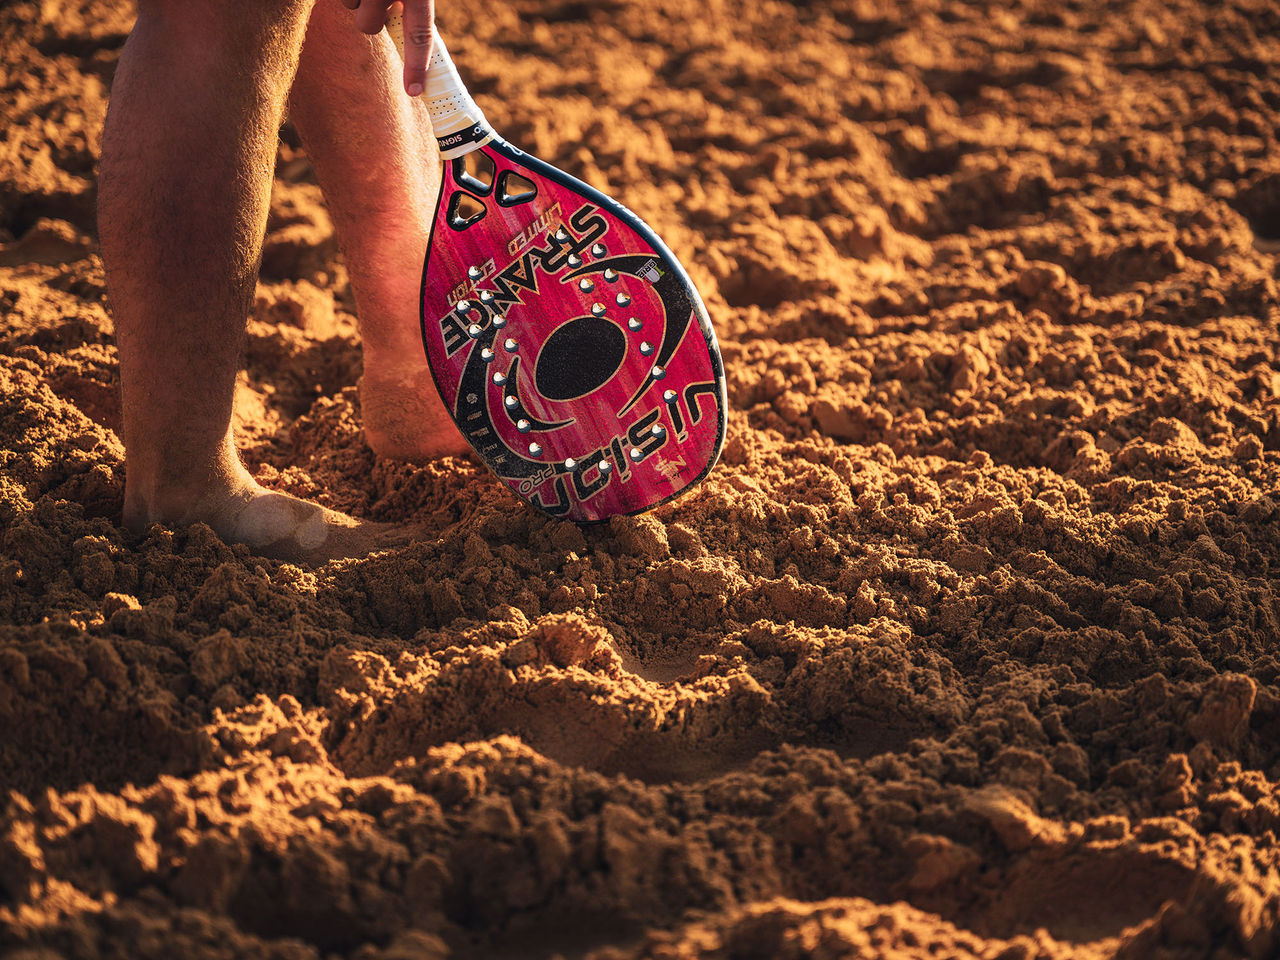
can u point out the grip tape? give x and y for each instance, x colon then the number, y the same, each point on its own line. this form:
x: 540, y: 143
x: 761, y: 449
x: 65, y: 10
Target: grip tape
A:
x: 459, y: 124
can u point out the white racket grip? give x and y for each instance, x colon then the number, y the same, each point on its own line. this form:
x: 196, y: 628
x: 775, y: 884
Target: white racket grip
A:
x: 459, y: 124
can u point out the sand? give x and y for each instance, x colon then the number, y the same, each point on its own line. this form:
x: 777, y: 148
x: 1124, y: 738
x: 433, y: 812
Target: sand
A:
x: 968, y: 648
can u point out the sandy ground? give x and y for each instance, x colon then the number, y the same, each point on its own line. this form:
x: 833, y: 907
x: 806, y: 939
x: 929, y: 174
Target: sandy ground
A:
x: 968, y: 648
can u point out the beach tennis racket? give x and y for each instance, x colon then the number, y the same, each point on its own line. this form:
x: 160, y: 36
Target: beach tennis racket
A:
x: 566, y: 340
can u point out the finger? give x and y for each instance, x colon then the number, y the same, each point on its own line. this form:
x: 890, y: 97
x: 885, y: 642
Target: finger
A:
x: 419, y: 30
x: 371, y: 16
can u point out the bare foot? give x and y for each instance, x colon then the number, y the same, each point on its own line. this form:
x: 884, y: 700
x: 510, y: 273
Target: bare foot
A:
x: 284, y: 527
x: 404, y: 417
x: 275, y: 525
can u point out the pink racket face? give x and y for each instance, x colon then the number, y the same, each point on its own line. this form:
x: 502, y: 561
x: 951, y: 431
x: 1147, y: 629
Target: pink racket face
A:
x: 570, y: 346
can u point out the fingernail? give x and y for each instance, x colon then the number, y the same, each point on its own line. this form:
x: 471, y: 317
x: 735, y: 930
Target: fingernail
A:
x: 415, y: 89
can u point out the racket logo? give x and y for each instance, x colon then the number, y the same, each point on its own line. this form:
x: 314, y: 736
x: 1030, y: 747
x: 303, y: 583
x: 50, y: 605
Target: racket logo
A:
x: 672, y: 469
x: 457, y: 139
x: 459, y: 327
x: 485, y: 271
x: 548, y: 219
x: 651, y: 271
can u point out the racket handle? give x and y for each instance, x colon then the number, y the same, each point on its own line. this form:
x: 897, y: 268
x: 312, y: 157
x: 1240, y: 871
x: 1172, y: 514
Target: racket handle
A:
x: 458, y: 122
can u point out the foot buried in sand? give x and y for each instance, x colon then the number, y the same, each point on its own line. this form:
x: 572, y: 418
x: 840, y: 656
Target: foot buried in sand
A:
x: 282, y: 527
x: 404, y: 418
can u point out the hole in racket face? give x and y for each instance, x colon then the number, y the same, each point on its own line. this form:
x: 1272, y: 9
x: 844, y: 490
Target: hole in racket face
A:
x: 464, y: 210
x: 514, y: 189
x: 475, y: 172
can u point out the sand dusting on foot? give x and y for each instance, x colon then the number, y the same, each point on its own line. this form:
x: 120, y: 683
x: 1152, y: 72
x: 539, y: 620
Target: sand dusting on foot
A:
x: 969, y: 648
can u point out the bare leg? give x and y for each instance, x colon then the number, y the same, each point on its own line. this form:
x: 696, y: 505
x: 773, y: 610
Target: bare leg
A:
x: 187, y: 161
x: 376, y: 160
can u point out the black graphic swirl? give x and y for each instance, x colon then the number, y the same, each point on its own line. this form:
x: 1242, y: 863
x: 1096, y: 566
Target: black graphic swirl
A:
x: 677, y: 307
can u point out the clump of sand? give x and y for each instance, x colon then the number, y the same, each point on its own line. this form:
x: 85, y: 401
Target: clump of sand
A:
x: 967, y: 648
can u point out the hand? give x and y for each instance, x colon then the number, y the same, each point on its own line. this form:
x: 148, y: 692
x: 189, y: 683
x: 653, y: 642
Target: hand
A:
x: 419, y: 28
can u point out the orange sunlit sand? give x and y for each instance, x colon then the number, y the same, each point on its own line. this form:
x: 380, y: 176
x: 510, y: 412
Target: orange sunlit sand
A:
x: 967, y: 647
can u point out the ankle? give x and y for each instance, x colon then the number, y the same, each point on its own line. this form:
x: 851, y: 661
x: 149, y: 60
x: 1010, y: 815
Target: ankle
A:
x: 153, y: 496
x: 400, y: 360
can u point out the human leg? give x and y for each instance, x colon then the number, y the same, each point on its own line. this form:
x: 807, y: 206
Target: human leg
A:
x: 187, y: 162
x: 376, y: 160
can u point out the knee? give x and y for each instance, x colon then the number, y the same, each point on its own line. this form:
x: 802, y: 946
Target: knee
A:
x: 212, y: 21
x: 250, y: 48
